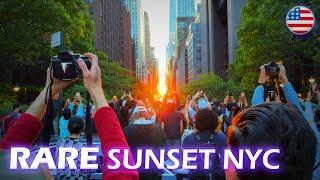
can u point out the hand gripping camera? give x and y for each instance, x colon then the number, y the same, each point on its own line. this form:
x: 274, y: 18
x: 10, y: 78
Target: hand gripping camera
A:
x: 65, y: 67
x: 272, y: 69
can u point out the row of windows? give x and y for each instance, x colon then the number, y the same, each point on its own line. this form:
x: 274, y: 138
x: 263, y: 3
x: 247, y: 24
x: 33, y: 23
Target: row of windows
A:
x: 90, y: 1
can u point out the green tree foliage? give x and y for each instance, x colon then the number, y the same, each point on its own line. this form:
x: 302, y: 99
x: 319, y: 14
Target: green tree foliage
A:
x: 25, y: 32
x: 26, y: 27
x: 263, y: 37
x: 213, y: 86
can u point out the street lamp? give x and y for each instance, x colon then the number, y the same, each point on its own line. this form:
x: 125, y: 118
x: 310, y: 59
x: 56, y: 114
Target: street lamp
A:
x: 16, y: 88
x: 312, y: 80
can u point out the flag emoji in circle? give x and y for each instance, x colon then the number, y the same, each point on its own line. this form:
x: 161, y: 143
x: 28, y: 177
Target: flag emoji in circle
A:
x: 300, y: 20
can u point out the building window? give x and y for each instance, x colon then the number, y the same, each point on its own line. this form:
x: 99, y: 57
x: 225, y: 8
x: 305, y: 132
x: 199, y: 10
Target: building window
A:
x: 90, y: 1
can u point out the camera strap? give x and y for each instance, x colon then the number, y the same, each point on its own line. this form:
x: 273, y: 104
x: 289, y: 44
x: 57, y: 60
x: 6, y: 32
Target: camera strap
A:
x: 88, y: 129
x: 49, y: 115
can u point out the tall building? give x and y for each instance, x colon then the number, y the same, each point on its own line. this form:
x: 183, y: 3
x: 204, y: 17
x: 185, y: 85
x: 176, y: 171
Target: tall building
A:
x: 148, y: 52
x: 214, y: 37
x: 134, y: 7
x: 128, y: 51
x: 181, y: 54
x: 185, y: 8
x: 112, y: 34
x: 147, y: 46
x: 194, y: 51
x: 172, y: 28
x: 185, y: 16
x: 234, y: 15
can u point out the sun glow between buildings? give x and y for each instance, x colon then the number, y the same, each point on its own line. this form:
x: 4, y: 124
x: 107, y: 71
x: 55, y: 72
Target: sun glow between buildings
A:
x: 162, y: 86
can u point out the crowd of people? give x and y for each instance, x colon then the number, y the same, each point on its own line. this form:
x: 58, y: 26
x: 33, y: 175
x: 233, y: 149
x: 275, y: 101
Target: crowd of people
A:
x: 290, y: 122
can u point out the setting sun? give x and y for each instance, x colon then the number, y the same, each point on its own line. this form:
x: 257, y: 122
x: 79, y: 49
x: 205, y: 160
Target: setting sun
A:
x: 162, y: 88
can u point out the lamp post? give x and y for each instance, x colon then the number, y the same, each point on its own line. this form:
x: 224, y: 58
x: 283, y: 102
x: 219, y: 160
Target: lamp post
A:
x: 312, y: 80
x: 16, y: 88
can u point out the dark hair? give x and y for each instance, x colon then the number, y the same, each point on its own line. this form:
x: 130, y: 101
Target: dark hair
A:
x: 75, y: 125
x: 131, y: 104
x: 231, y: 105
x: 15, y: 106
x: 206, y: 120
x: 276, y: 124
x: 66, y: 114
x: 235, y: 111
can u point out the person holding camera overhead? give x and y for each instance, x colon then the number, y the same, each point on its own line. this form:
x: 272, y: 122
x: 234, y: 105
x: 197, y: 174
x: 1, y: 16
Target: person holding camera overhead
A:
x: 26, y: 129
x: 279, y: 72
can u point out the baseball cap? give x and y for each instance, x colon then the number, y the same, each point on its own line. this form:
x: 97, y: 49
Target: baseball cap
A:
x: 139, y: 109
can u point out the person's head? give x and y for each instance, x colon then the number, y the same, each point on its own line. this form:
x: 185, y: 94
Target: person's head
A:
x: 276, y: 125
x: 75, y: 125
x: 206, y: 119
x: 171, y: 105
x: 66, y: 103
x: 76, y: 102
x: 231, y: 105
x: 66, y: 114
x: 140, y: 112
x: 131, y: 104
x: 234, y: 111
x: 78, y: 96
x: 16, y: 107
x: 114, y: 99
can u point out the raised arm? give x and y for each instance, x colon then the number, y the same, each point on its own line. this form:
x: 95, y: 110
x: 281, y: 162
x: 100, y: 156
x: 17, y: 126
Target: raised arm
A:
x: 288, y: 90
x: 259, y: 91
x: 105, y: 120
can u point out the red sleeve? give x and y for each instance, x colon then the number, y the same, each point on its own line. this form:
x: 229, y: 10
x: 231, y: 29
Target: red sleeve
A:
x: 111, y: 136
x: 22, y: 133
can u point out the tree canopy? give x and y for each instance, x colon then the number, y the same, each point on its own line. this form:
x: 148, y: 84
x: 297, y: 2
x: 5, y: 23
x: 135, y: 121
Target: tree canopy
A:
x: 213, y: 86
x: 263, y: 37
x: 26, y: 27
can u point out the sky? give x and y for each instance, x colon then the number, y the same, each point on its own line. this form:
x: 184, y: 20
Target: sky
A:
x: 158, y: 11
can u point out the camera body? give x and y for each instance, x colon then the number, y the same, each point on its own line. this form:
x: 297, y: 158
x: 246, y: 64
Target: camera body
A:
x: 272, y: 69
x: 65, y: 66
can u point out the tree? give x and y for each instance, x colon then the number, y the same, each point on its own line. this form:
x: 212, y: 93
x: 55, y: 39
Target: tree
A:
x: 213, y: 86
x: 263, y: 37
x: 26, y: 27
x: 25, y: 31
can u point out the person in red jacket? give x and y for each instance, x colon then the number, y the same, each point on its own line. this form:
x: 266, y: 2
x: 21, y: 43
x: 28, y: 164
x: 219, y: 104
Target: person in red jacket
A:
x: 28, y: 126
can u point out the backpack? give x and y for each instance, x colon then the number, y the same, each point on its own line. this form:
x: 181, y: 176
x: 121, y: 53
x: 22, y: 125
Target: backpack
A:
x: 215, y: 171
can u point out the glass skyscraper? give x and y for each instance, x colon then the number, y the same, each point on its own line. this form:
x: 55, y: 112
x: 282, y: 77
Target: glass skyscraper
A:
x: 185, y: 8
x: 134, y: 7
x: 172, y: 28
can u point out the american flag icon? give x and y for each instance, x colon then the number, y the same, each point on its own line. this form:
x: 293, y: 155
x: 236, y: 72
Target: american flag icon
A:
x: 300, y: 20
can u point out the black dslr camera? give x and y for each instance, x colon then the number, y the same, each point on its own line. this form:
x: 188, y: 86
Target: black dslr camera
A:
x: 65, y: 67
x: 272, y: 69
